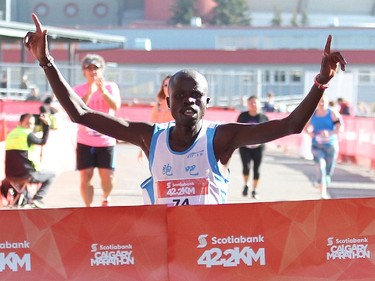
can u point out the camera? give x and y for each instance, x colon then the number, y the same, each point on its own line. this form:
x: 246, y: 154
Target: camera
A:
x: 37, y: 119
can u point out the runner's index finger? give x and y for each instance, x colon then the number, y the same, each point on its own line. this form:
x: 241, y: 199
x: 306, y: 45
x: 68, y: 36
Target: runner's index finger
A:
x: 37, y: 23
x: 327, y: 48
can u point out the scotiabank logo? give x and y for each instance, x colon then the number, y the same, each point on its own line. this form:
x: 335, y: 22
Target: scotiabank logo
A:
x: 202, y: 241
x: 348, y: 248
x: 113, y: 254
x: 231, y: 250
x: 12, y: 259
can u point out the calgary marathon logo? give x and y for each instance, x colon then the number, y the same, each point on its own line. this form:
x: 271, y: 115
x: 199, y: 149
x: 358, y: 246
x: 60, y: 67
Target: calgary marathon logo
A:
x: 348, y: 248
x: 231, y: 251
x: 13, y: 256
x: 104, y: 255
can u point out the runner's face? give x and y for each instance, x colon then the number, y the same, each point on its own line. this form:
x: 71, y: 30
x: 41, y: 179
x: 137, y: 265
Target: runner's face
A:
x: 188, y: 98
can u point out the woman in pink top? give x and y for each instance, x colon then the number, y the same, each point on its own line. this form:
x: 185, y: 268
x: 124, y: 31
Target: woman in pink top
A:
x: 93, y: 148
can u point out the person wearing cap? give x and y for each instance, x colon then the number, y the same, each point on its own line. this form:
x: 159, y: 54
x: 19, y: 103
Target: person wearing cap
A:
x: 96, y: 150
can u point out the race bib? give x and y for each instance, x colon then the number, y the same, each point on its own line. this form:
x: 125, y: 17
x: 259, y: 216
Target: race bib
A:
x: 183, y: 192
x: 322, y: 139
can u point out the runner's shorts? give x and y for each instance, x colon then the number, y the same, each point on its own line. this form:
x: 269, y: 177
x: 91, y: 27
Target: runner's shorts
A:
x: 90, y: 157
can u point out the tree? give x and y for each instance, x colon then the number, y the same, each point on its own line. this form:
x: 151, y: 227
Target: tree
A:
x: 304, y: 19
x: 230, y: 12
x: 293, y: 21
x: 183, y: 11
x: 277, y: 19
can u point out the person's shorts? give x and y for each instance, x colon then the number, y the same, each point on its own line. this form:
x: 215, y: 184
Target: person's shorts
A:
x: 91, y: 157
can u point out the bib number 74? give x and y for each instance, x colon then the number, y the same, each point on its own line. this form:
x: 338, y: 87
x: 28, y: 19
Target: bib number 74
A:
x: 181, y: 202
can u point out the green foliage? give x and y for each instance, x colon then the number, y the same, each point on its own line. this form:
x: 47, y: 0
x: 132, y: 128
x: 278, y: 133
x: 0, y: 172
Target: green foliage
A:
x: 277, y: 19
x: 304, y: 19
x: 231, y: 12
x: 293, y: 21
x: 183, y: 11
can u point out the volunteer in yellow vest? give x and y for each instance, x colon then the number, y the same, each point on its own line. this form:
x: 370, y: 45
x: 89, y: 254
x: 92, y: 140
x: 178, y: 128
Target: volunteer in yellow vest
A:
x: 20, y: 159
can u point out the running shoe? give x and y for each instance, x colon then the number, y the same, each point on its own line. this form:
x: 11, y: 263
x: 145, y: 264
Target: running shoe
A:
x: 105, y: 201
x: 254, y: 194
x: 325, y: 195
x: 38, y: 203
x: 245, y: 190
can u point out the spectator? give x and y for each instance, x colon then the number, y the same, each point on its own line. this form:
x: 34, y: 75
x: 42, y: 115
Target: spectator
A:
x: 269, y: 105
x: 190, y: 153
x: 47, y: 106
x: 363, y: 109
x: 34, y: 95
x: 24, y: 82
x: 94, y: 149
x: 161, y: 112
x: 252, y: 152
x: 4, y: 82
x: 331, y: 104
x: 344, y: 108
x: 21, y: 160
x: 49, y: 110
x: 324, y: 127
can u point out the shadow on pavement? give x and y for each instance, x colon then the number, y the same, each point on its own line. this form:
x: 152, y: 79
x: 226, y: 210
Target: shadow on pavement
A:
x: 336, y: 193
x: 348, y: 181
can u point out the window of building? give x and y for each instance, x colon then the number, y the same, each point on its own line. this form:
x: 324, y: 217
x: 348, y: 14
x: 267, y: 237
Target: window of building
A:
x: 366, y: 76
x: 296, y: 76
x: 280, y: 76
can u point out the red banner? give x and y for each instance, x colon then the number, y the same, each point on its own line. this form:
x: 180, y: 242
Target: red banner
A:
x: 117, y: 243
x: 310, y: 240
x: 349, y: 137
x: 299, y: 240
x: 11, y: 112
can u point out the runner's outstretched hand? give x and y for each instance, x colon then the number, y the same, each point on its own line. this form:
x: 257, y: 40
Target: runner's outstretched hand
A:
x: 330, y: 63
x: 37, y: 43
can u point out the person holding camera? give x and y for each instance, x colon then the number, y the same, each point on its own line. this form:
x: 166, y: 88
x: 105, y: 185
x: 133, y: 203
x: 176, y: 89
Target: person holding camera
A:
x: 22, y: 162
